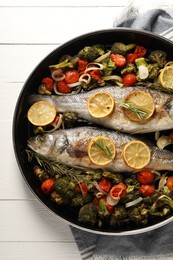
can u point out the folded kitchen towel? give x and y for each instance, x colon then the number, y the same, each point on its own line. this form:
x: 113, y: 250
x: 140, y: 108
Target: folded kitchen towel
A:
x: 155, y: 244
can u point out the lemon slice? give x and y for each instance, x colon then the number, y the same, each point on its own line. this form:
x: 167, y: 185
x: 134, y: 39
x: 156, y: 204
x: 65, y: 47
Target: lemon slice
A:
x: 141, y: 101
x: 136, y: 154
x: 100, y: 104
x: 166, y: 77
x: 101, y: 150
x: 41, y: 113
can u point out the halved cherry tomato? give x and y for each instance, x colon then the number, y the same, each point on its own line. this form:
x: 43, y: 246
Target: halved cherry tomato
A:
x: 56, y: 120
x: 145, y: 177
x: 131, y: 57
x: 95, y: 74
x: 129, y: 79
x: 104, y: 184
x: 82, y: 188
x: 147, y: 190
x: 119, y: 59
x: 140, y: 51
x: 63, y: 87
x: 118, y: 190
x: 169, y: 183
x: 171, y: 135
x: 82, y: 63
x: 49, y: 83
x: 48, y: 186
x: 71, y: 76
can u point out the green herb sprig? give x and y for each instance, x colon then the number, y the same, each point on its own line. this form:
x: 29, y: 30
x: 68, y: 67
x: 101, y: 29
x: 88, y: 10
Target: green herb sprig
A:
x: 139, y: 112
x: 100, y: 144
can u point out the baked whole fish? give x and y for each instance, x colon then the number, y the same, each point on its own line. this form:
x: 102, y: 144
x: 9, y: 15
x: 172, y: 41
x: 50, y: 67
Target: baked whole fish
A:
x: 162, y: 119
x: 70, y: 146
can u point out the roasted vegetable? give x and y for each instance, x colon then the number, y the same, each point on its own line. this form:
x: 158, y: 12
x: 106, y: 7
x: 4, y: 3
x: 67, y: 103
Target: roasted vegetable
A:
x: 129, y: 68
x: 115, y: 177
x: 40, y: 173
x: 121, y: 48
x: 80, y: 200
x: 91, y: 85
x: 90, y: 53
x: 119, y: 216
x: 88, y: 214
x: 109, y: 66
x: 162, y: 206
x: 69, y: 119
x: 153, y: 70
x: 63, y: 184
x: 67, y: 62
x: 103, y: 211
x: 62, y: 199
x: 159, y: 57
x: 138, y: 215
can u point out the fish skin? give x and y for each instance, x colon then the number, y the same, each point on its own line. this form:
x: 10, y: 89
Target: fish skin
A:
x: 162, y: 118
x: 70, y: 146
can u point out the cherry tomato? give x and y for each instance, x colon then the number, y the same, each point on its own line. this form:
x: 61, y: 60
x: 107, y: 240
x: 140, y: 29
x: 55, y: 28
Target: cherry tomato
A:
x: 119, y: 59
x: 104, y: 184
x: 169, y: 183
x: 131, y: 57
x: 95, y: 74
x: 48, y: 186
x: 82, y: 188
x: 71, y: 76
x: 110, y: 208
x: 147, y: 190
x: 49, y: 83
x: 63, y: 87
x: 140, y: 51
x: 129, y: 80
x: 171, y: 135
x: 56, y: 120
x: 82, y: 63
x: 118, y: 190
x: 145, y: 177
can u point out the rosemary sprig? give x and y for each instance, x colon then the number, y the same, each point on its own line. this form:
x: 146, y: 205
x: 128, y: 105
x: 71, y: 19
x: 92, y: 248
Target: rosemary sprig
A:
x: 139, y: 112
x: 100, y: 144
x: 52, y: 166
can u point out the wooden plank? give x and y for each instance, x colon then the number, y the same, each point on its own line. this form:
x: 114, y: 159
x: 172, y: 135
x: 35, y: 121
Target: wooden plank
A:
x: 39, y: 251
x: 51, y: 25
x: 18, y: 61
x: 31, y: 221
x: 42, y: 3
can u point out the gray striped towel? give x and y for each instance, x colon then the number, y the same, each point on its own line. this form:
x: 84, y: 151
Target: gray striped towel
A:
x: 156, y: 244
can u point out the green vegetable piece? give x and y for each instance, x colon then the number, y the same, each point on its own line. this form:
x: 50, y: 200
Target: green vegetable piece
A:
x: 159, y: 57
x: 129, y: 68
x: 116, y: 177
x: 109, y: 66
x: 42, y: 90
x: 138, y: 215
x: 102, y: 209
x: 69, y: 119
x: 91, y: 52
x: 88, y: 214
x: 121, y: 48
x: 65, y: 62
x: 119, y: 216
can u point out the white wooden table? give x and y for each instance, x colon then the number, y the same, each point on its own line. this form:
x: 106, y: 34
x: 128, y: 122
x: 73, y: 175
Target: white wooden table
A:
x: 29, y: 30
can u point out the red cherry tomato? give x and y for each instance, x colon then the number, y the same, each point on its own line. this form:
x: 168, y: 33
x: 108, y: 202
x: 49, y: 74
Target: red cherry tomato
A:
x: 140, y: 51
x: 118, y: 190
x: 49, y: 83
x: 147, y: 190
x: 82, y: 63
x: 145, y: 177
x: 129, y: 80
x: 131, y: 57
x: 48, y: 186
x: 82, y: 188
x: 63, y: 87
x: 169, y: 183
x: 104, y: 184
x: 71, y: 76
x: 171, y: 135
x: 119, y: 59
x: 95, y: 74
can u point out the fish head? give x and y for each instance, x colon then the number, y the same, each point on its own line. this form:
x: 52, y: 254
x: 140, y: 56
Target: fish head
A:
x: 41, y: 144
